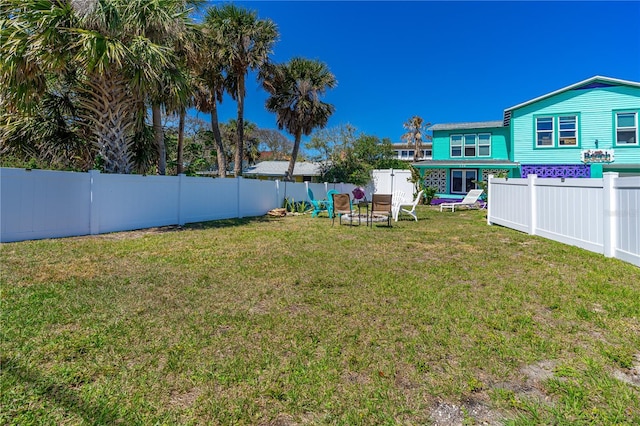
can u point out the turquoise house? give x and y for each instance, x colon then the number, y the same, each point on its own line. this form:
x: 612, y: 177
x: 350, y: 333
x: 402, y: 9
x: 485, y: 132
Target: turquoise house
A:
x: 581, y: 130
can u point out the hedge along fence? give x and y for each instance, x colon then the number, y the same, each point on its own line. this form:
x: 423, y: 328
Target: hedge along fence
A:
x: 36, y: 204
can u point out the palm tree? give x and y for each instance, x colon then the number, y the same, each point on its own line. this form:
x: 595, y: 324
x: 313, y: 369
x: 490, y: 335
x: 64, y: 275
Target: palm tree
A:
x: 295, y: 89
x: 171, y: 90
x: 210, y: 87
x: 115, y: 46
x: 416, y: 128
x: 245, y: 44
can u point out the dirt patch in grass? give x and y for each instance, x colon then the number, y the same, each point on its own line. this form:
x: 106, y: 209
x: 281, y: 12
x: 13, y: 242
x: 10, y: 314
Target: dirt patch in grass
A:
x: 472, y: 411
x: 630, y: 375
x: 184, y: 399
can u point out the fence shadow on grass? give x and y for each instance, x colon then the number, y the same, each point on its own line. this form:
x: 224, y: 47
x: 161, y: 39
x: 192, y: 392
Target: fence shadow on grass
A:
x: 228, y: 223
x: 61, y: 394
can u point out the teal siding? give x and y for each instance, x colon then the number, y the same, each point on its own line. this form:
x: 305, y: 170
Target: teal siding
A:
x: 499, y: 143
x: 595, y: 108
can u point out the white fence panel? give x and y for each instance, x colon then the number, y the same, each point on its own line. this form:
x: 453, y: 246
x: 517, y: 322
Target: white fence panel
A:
x: 570, y: 211
x: 43, y: 204
x: 390, y: 180
x: 600, y: 215
x: 127, y: 202
x: 203, y: 199
x: 257, y: 197
x: 50, y: 204
x: 343, y: 188
x: 319, y: 190
x: 516, y: 213
x: 628, y: 206
x: 294, y: 190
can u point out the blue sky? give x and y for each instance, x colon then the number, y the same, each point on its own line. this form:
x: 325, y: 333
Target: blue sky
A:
x: 445, y: 61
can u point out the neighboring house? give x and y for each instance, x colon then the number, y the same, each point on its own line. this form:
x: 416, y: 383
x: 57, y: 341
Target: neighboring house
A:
x: 582, y: 130
x: 405, y: 151
x: 272, y: 170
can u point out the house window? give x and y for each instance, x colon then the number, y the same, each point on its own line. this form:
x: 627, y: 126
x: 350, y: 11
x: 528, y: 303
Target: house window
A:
x: 484, y: 145
x: 568, y: 130
x: 411, y: 153
x: 469, y: 145
x: 426, y: 153
x: 456, y: 145
x: 462, y: 180
x: 626, y: 128
x: 544, y: 131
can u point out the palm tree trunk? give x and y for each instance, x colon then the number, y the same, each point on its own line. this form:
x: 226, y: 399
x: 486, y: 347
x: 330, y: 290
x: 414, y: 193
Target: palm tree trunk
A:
x: 215, y: 128
x: 237, y: 167
x: 294, y: 155
x: 417, y: 152
x: 183, y: 116
x: 106, y: 106
x: 159, y: 137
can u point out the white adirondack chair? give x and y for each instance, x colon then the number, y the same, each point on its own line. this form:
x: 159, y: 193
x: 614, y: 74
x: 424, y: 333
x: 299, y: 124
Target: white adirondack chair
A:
x: 413, y: 205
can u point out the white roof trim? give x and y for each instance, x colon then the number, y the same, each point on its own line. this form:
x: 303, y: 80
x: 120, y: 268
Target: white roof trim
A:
x: 573, y: 86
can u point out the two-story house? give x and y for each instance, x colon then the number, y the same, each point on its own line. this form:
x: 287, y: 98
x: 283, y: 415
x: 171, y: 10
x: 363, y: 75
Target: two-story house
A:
x: 581, y: 130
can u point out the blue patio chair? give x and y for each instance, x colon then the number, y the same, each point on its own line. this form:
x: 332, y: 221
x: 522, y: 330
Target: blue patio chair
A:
x: 330, y: 202
x: 318, y: 205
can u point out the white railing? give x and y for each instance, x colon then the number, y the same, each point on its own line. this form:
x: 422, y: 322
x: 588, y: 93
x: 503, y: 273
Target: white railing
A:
x: 36, y: 204
x: 600, y: 215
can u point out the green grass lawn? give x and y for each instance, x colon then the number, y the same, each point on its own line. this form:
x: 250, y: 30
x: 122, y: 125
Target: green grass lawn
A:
x: 290, y: 320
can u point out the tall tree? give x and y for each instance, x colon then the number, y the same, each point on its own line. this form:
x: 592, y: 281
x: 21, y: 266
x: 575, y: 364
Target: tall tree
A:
x: 416, y: 129
x: 295, y: 90
x: 245, y: 44
x: 213, y: 83
x: 330, y: 144
x: 251, y: 151
x: 275, y: 143
x: 116, y: 47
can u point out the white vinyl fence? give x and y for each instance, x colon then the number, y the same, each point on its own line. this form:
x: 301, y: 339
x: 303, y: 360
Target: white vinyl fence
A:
x: 388, y: 181
x: 37, y: 204
x: 600, y: 215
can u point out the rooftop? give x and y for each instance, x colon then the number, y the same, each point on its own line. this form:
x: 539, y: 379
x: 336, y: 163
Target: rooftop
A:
x: 279, y: 168
x: 464, y: 126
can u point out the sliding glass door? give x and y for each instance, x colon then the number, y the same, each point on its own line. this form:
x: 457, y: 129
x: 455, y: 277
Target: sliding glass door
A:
x: 462, y: 180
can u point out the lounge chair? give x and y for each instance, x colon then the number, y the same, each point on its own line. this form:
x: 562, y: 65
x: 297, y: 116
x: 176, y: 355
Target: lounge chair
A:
x: 341, y: 206
x: 469, y: 201
x: 413, y: 205
x: 381, y: 204
x: 318, y: 205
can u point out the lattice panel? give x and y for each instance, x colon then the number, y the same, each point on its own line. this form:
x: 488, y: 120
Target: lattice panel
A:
x: 487, y: 172
x: 437, y: 178
x: 557, y: 170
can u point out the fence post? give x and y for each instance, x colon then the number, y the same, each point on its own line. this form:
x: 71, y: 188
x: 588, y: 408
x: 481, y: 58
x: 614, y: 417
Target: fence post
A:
x: 278, y: 202
x: 94, y: 208
x: 610, y: 206
x: 180, y: 208
x: 392, y: 175
x: 489, y: 204
x: 238, y: 196
x: 533, y: 217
